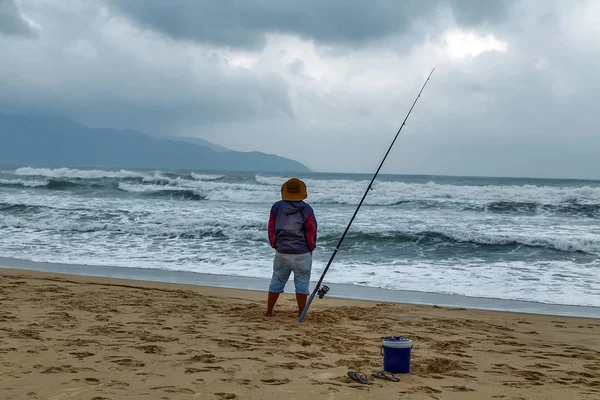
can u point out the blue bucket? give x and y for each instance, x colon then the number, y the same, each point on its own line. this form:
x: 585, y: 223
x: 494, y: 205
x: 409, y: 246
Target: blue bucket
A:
x: 396, y: 354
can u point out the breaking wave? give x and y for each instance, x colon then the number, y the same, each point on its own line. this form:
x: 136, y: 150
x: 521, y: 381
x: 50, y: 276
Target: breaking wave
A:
x: 162, y: 191
x: 531, y: 208
x: 508, y: 241
x: 77, y: 173
x: 203, y: 177
x: 528, y: 199
x: 23, y: 183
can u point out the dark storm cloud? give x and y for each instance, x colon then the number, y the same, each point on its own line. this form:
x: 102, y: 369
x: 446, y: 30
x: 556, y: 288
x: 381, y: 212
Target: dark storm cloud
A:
x: 243, y: 23
x: 97, y: 99
x: 513, y: 93
x: 11, y: 21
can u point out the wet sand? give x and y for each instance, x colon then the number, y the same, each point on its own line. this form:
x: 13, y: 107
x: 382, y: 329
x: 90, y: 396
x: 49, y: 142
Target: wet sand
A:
x: 75, y: 337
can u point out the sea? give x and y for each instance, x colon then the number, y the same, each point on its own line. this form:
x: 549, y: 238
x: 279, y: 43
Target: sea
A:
x: 534, y: 240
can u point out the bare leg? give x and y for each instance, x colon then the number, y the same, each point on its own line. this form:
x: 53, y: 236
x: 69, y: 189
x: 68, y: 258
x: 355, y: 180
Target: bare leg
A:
x: 271, y: 300
x: 301, y: 299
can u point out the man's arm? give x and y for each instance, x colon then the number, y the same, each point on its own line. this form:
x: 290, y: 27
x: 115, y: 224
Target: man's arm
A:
x: 272, y: 229
x: 310, y: 230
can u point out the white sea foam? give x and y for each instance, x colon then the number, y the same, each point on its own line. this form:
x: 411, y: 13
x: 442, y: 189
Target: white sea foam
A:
x: 76, y: 173
x: 25, y: 183
x: 371, y: 229
x: 205, y: 177
x: 343, y: 191
x: 128, y: 187
x: 58, y: 173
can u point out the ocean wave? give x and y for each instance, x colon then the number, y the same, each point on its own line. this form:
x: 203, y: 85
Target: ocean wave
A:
x: 52, y: 184
x: 530, y: 208
x: 446, y: 237
x: 206, y: 177
x: 181, y: 192
x: 23, y: 183
x: 69, y: 177
x: 475, y: 238
x: 77, y: 173
x: 73, y: 173
x: 270, y: 180
x: 76, y: 222
x: 60, y: 184
x: 583, y: 201
x: 19, y: 208
x: 50, y: 211
x: 391, y: 193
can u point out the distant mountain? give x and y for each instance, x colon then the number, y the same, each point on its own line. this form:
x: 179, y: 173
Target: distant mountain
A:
x: 201, y: 142
x: 57, y: 141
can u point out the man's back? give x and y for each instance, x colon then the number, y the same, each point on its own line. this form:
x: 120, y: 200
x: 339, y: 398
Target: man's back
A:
x: 292, y: 227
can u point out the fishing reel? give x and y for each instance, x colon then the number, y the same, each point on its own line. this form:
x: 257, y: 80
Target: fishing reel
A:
x: 323, y: 291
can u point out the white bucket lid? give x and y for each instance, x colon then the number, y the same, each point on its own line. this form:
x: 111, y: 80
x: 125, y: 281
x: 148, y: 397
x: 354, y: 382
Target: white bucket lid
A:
x: 397, y: 342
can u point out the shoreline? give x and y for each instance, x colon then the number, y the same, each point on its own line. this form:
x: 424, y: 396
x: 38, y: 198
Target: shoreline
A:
x: 338, y: 291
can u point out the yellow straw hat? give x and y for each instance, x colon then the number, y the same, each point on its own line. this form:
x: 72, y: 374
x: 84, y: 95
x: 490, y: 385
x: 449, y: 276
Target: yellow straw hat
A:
x: 293, y: 190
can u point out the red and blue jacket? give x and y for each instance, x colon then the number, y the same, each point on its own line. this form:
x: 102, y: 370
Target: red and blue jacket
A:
x: 292, y: 227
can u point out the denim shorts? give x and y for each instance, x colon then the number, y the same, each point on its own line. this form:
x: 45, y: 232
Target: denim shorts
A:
x: 284, y: 265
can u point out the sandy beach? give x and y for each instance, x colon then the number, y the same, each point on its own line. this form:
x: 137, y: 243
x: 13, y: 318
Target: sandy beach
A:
x: 74, y: 337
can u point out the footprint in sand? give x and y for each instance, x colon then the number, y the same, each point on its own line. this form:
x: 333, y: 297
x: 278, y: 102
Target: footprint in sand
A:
x: 584, y: 374
x: 289, y: 365
x: 516, y: 384
x: 226, y: 396
x: 426, y: 389
x: 192, y: 370
x: 542, y: 366
x: 27, y: 334
x: 162, y: 387
x: 528, y: 375
x: 593, y: 367
x: 438, y: 365
x: 82, y: 354
x: 450, y: 346
x: 318, y: 365
x: 63, y: 368
x: 180, y: 390
x: 275, y: 381
x: 151, y: 349
x: 7, y: 349
x: 458, y: 388
x: 117, y: 384
x: 207, y: 358
x: 246, y: 382
x: 128, y: 362
x: 537, y: 357
x: 305, y: 355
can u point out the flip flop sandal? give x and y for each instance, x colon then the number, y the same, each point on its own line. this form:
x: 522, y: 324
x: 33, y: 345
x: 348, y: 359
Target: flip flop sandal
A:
x: 359, y: 377
x: 385, y: 375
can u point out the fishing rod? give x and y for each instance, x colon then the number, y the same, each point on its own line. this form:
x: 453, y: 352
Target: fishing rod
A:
x: 322, y: 291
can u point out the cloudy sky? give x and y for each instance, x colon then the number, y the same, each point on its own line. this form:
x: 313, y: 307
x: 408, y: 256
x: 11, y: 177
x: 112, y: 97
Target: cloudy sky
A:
x: 516, y: 90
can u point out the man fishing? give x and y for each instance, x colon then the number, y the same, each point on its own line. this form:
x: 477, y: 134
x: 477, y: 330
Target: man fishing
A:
x: 293, y: 235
